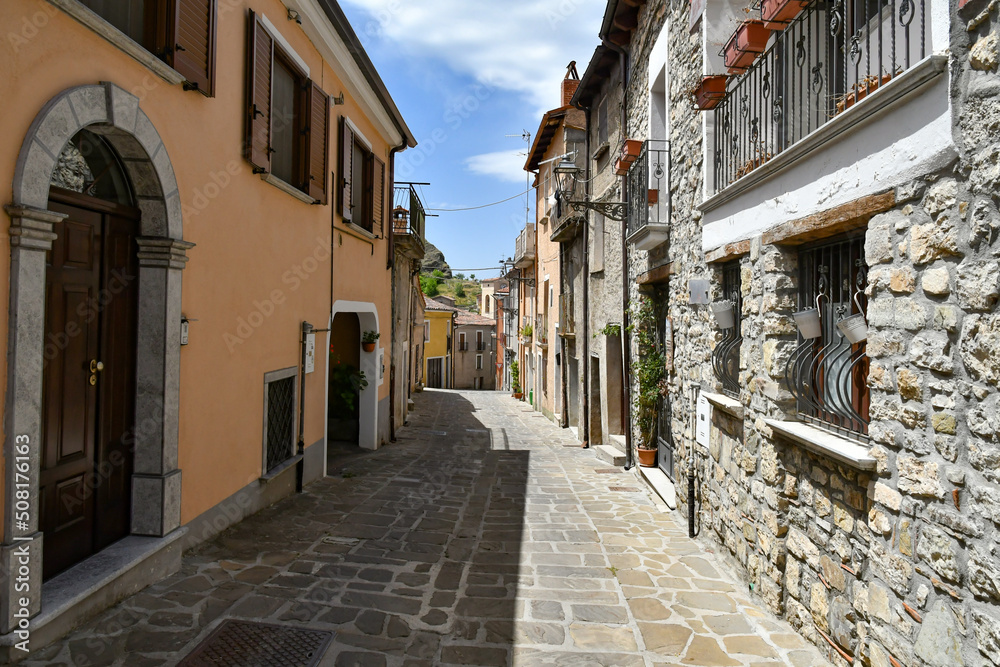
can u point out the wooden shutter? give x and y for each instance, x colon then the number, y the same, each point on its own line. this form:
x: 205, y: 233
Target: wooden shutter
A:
x: 346, y: 173
x: 378, y: 195
x: 318, y: 144
x: 260, y: 58
x: 191, y: 49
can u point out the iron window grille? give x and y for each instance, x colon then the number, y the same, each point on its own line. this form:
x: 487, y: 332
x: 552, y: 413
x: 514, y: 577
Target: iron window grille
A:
x: 726, y: 355
x: 828, y: 375
x: 279, y: 416
x: 836, y: 53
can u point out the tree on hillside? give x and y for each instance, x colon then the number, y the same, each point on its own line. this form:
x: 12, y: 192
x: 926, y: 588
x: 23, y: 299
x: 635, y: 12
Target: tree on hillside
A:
x: 429, y: 285
x: 472, y: 277
x: 460, y: 276
x: 460, y: 291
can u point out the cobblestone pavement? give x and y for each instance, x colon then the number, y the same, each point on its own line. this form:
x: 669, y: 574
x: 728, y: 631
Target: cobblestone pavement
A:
x: 482, y: 537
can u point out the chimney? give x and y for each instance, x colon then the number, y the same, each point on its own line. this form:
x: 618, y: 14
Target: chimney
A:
x: 570, y: 83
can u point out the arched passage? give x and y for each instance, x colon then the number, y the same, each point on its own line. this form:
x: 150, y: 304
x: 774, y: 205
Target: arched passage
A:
x: 115, y: 114
x: 369, y: 363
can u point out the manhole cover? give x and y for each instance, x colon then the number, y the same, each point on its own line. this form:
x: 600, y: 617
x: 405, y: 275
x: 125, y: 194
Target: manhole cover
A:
x: 606, y: 471
x: 249, y: 644
x: 624, y: 488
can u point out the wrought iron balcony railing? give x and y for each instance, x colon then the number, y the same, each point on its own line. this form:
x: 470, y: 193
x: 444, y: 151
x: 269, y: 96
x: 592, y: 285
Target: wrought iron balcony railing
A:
x: 463, y: 346
x: 832, y: 56
x: 649, y: 195
x: 828, y: 374
x: 408, y: 218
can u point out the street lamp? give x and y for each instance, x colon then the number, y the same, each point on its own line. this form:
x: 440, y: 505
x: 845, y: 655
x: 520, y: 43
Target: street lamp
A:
x: 566, y: 174
x: 507, y: 266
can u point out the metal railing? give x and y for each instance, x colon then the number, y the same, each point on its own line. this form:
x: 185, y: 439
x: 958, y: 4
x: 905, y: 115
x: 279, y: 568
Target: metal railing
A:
x: 649, y: 186
x: 827, y: 374
x: 541, y: 329
x: 408, y: 214
x: 832, y: 56
x: 726, y: 355
x: 463, y: 346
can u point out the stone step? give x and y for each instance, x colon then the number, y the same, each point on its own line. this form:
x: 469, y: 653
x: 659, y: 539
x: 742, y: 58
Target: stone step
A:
x: 617, y: 441
x: 610, y: 455
x: 661, y: 484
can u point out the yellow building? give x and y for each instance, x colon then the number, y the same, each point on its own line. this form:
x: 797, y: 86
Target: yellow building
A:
x: 252, y: 155
x: 439, y: 324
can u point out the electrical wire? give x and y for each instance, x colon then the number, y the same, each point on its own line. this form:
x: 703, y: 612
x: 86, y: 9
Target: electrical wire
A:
x: 473, y: 208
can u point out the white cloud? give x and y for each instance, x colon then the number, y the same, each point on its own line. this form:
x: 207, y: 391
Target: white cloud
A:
x: 504, y: 165
x: 518, y: 45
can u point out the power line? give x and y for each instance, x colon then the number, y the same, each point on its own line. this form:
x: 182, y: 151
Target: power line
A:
x: 473, y: 208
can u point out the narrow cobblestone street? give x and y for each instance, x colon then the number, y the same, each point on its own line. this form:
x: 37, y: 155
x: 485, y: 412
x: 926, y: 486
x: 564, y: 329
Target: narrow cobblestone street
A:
x: 482, y: 537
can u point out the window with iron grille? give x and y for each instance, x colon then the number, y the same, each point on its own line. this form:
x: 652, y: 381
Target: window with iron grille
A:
x: 828, y: 372
x: 279, y: 417
x: 726, y: 355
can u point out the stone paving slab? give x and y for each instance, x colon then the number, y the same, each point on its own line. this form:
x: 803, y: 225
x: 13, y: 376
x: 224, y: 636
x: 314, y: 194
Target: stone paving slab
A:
x: 479, y: 538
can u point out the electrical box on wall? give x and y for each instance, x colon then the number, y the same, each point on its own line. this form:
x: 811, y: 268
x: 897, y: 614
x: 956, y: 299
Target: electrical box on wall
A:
x: 184, y: 328
x: 699, y: 291
x: 702, y: 433
x: 310, y: 353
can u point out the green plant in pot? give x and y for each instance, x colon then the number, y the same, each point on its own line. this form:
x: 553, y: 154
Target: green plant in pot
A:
x: 515, y: 379
x: 346, y: 383
x: 648, y: 369
x: 368, y: 339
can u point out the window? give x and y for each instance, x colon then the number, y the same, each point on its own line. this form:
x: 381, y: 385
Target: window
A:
x: 479, y: 341
x: 361, y: 191
x: 726, y: 355
x: 827, y: 374
x: 597, y: 244
x: 479, y: 362
x: 279, y: 417
x: 181, y: 33
x: 461, y: 342
x: 486, y: 304
x: 287, y: 129
x: 427, y: 331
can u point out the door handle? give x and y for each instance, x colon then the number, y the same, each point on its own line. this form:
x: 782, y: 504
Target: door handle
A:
x: 96, y: 366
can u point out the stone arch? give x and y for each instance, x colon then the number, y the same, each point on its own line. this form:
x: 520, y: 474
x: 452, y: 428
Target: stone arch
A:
x: 368, y: 401
x: 114, y: 113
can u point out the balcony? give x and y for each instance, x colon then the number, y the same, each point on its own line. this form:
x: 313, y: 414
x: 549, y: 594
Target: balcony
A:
x: 463, y: 346
x: 822, y: 68
x: 542, y: 330
x: 408, y: 221
x: 567, y: 324
x: 524, y: 247
x: 649, y: 196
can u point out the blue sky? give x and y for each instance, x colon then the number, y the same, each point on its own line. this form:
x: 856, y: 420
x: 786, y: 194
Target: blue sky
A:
x: 465, y: 74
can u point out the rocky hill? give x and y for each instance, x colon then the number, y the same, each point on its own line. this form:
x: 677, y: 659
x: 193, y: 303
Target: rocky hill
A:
x: 434, y: 261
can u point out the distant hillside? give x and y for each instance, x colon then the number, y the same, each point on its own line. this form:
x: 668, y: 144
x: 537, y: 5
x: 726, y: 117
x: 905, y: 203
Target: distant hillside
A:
x: 434, y: 261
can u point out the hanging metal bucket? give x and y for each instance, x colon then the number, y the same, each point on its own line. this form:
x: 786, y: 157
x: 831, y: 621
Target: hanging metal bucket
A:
x: 808, y: 323
x: 854, y: 328
x: 723, y: 313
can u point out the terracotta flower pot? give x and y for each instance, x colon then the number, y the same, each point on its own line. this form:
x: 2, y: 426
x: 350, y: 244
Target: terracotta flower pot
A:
x: 631, y: 150
x: 518, y: 395
x: 710, y: 91
x: 621, y: 167
x: 647, y: 458
x: 777, y: 14
x: 748, y: 42
x: 368, y: 347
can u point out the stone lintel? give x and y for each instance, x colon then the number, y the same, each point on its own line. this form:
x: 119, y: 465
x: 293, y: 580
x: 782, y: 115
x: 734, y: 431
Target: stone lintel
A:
x: 163, y: 253
x: 32, y: 227
x: 660, y: 274
x: 853, y: 215
x: 728, y: 251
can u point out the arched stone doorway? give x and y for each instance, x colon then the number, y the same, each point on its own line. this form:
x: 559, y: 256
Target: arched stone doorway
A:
x: 369, y: 363
x: 114, y: 114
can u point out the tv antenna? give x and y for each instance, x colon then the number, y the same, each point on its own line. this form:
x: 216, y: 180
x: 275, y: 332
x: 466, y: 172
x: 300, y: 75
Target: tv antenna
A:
x: 526, y: 136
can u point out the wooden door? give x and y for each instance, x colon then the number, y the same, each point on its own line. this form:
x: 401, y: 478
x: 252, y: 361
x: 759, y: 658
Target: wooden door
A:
x: 88, y: 391
x: 434, y: 373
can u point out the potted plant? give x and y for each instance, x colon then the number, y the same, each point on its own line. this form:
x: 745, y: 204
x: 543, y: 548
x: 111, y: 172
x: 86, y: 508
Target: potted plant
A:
x: 860, y: 91
x: 748, y: 42
x: 710, y: 91
x: 346, y: 383
x: 368, y: 339
x: 648, y: 369
x: 526, y: 332
x: 515, y: 380
x: 776, y: 14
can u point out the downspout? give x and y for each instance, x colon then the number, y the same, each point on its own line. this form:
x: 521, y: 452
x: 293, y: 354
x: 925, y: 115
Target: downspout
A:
x: 626, y: 344
x: 564, y: 417
x: 586, y: 274
x: 390, y: 264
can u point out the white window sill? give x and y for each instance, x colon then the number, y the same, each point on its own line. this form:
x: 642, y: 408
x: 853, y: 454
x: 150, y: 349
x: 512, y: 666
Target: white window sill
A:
x: 92, y: 20
x: 285, y: 187
x: 817, y: 440
x: 900, y: 87
x: 725, y: 403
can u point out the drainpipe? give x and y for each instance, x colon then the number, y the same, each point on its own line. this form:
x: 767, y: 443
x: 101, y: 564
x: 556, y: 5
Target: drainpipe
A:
x: 585, y: 423
x: 564, y: 417
x: 626, y: 345
x: 301, y: 448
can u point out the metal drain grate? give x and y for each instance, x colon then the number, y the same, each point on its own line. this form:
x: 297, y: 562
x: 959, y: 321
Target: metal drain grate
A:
x: 606, y: 471
x: 629, y: 489
x: 249, y: 644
